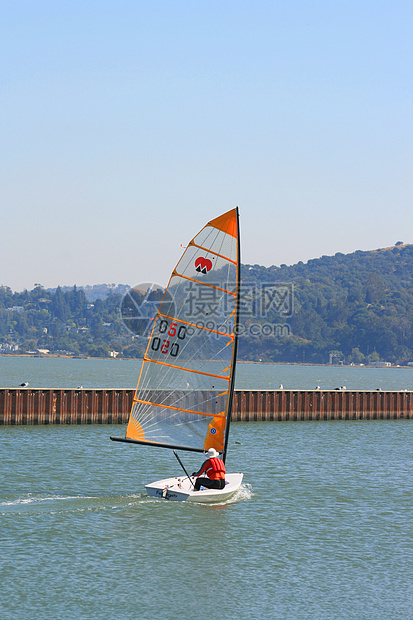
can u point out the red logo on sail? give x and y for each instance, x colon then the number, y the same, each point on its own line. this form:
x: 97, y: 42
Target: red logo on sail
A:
x: 203, y: 265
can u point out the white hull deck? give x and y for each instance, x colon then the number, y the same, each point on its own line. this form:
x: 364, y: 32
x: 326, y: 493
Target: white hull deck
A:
x: 181, y: 490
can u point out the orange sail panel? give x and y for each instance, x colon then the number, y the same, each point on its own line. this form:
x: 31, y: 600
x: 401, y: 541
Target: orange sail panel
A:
x: 183, y: 391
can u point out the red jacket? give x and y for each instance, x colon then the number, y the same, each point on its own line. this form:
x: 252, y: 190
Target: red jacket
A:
x: 214, y: 469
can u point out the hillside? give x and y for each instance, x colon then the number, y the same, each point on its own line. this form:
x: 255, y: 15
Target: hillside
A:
x: 352, y: 308
x: 358, y: 305
x: 62, y: 322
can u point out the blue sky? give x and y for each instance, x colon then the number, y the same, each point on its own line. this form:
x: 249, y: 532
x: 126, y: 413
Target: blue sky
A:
x: 126, y: 125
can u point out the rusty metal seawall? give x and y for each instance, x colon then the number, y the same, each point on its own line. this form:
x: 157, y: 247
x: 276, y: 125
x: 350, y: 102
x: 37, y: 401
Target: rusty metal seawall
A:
x: 60, y: 406
x: 112, y: 406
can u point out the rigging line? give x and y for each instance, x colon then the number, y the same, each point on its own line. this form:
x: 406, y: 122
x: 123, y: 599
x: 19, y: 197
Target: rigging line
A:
x: 198, y: 372
x: 183, y: 467
x: 147, y: 402
x: 180, y: 275
x: 200, y: 247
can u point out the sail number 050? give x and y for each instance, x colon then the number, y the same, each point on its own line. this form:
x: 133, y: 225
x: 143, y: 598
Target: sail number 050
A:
x: 163, y: 344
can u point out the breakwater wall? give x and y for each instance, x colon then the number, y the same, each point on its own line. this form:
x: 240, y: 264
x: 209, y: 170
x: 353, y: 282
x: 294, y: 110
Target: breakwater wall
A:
x: 112, y: 406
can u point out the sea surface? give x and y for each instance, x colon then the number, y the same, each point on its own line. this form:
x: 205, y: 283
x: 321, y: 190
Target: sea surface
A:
x: 322, y: 527
x: 111, y: 373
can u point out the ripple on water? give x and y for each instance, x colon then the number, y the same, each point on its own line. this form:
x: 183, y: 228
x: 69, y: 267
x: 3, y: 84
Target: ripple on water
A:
x: 321, y: 527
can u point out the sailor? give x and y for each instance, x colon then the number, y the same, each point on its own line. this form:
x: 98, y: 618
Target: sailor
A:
x: 214, y: 468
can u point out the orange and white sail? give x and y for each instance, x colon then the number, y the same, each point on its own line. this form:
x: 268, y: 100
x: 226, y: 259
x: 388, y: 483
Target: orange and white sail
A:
x: 184, y: 393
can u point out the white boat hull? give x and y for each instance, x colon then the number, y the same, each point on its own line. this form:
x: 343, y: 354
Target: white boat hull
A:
x: 182, y: 490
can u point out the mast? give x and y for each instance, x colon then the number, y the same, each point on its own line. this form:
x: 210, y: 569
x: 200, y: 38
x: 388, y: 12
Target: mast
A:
x: 236, y: 329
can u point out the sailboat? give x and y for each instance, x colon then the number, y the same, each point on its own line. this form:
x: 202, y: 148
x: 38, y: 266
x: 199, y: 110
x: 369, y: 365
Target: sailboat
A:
x: 184, y: 396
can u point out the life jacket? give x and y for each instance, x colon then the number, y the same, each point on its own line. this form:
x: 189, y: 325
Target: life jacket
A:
x: 214, y: 469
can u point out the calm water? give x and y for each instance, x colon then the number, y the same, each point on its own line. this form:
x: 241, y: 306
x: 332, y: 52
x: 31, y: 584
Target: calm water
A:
x: 100, y: 373
x: 321, y: 529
